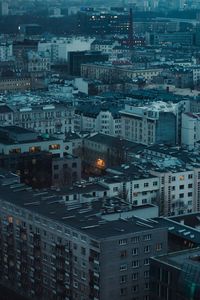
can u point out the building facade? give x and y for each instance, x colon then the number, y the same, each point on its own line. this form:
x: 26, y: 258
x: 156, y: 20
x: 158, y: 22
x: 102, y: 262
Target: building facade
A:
x: 63, y: 257
x: 148, y: 125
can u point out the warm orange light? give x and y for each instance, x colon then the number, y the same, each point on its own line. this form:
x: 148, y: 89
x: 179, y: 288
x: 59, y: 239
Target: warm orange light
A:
x: 100, y: 163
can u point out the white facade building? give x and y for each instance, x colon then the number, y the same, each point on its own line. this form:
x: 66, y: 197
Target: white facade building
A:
x: 104, y: 46
x: 46, y: 118
x: 58, y: 48
x: 179, y: 191
x: 155, y: 123
x: 190, y: 130
x: 38, y: 63
x: 137, y: 190
x: 104, y: 121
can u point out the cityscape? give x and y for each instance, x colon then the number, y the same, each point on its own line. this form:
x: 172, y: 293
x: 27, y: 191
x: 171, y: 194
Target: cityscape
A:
x: 100, y: 150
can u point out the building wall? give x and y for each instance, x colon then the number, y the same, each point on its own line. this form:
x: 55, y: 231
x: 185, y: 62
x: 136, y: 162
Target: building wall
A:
x: 190, y: 131
x: 56, y: 147
x: 46, y: 119
x: 128, y: 276
x: 72, y: 263
x: 166, y: 128
x: 147, y: 126
x: 66, y: 171
x: 15, y: 84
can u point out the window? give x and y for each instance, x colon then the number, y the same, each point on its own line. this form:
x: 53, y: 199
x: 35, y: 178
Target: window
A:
x: 190, y: 194
x: 181, y: 187
x: 136, y: 186
x: 123, y: 291
x: 146, y: 261
x: 155, y: 183
x: 123, y: 278
x: 173, y: 178
x: 83, y: 275
x: 135, y: 264
x: 135, y: 276
x: 83, y: 238
x: 181, y: 196
x: 123, y: 267
x: 74, y: 165
x: 146, y: 286
x: 75, y: 234
x: 34, y: 149
x: 10, y: 219
x: 158, y: 246
x: 56, y: 167
x: 123, y: 254
x: 190, y: 176
x: 182, y: 177
x: 16, y: 150
x: 135, y: 239
x: 190, y: 185
x: 146, y: 184
x: 123, y: 242
x: 146, y: 249
x: 146, y: 274
x: 135, y: 288
x: 115, y: 189
x: 135, y: 251
x: 147, y: 237
x: 54, y: 147
x: 75, y: 284
x: 83, y: 251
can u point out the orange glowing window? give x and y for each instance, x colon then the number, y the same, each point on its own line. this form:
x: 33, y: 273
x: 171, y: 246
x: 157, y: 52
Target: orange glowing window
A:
x: 34, y: 149
x: 100, y: 163
x: 54, y: 147
x: 10, y: 219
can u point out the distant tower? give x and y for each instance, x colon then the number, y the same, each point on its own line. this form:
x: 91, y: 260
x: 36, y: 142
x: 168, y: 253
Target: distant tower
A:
x: 130, y: 34
x: 3, y: 8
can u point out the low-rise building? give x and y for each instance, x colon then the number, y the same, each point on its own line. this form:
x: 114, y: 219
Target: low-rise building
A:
x: 66, y: 170
x: 49, y: 118
x: 105, y: 119
x: 14, y: 139
x: 37, y: 64
x: 105, y: 46
x: 109, y: 72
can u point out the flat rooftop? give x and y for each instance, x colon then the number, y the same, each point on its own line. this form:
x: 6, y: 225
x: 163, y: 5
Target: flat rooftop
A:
x: 84, y: 217
x: 179, y: 259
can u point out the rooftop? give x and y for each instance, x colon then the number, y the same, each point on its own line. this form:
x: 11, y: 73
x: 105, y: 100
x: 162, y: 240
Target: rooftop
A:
x: 181, y: 259
x: 84, y: 217
x: 115, y: 142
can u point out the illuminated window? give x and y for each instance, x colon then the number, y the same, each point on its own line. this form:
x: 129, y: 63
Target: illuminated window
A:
x: 16, y: 150
x: 100, y: 163
x: 10, y: 219
x: 34, y: 149
x: 54, y: 147
x: 182, y: 177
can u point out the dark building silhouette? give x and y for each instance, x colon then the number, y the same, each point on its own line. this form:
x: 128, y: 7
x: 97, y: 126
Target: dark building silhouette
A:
x: 80, y: 57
